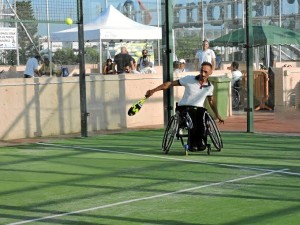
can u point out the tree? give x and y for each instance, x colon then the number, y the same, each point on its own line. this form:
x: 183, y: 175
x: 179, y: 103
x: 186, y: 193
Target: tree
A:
x: 26, y: 47
x: 65, y: 56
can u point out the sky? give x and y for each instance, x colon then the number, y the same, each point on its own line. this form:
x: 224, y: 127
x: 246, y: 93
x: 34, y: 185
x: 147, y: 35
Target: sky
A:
x: 92, y: 9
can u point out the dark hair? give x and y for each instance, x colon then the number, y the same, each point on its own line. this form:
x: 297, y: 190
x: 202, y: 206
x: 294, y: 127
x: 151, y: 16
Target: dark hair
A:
x: 37, y: 57
x: 235, y: 65
x: 108, y: 60
x: 176, y: 64
x: 144, y: 50
x: 206, y: 64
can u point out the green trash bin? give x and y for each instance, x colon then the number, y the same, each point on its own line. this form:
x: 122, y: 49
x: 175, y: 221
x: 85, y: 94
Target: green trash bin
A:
x: 221, y: 96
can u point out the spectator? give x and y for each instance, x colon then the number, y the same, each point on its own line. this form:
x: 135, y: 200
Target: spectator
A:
x: 182, y: 65
x: 236, y: 74
x: 45, y: 68
x: 218, y: 59
x: 32, y: 66
x: 144, y: 64
x: 179, y: 66
x: 108, y: 67
x: 123, y: 60
x: 205, y: 55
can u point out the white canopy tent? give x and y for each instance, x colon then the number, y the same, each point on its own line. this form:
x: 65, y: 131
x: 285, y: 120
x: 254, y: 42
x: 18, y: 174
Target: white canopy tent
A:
x: 110, y: 25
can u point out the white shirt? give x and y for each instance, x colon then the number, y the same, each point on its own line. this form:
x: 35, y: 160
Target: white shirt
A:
x: 205, y: 56
x: 194, y: 94
x: 144, y: 62
x: 31, y: 65
x: 236, y: 75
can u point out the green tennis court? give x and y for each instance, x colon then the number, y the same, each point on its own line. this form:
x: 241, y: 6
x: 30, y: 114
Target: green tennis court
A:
x: 125, y: 178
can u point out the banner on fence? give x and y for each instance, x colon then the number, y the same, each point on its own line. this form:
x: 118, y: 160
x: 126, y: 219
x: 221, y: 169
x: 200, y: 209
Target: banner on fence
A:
x: 8, y: 37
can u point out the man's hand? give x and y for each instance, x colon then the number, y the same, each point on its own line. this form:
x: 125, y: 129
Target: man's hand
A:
x: 221, y: 120
x: 149, y: 93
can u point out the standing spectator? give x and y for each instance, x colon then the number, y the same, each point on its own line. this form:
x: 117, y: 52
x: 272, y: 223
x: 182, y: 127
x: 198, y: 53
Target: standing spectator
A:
x: 108, y: 67
x: 45, y: 68
x: 205, y: 55
x: 32, y: 66
x: 123, y: 60
x: 218, y: 59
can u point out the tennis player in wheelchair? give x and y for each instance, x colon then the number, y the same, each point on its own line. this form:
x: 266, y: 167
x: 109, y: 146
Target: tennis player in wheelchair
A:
x: 197, y: 89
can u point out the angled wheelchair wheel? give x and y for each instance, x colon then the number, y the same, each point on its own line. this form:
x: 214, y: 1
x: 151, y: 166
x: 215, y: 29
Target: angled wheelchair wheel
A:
x: 213, y: 132
x: 235, y: 98
x: 170, y: 133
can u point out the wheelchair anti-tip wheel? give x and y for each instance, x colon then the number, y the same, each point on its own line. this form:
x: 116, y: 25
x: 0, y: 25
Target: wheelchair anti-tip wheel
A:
x: 170, y: 133
x: 213, y: 132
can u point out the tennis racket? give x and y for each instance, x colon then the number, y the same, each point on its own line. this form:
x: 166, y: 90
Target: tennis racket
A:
x: 136, y: 107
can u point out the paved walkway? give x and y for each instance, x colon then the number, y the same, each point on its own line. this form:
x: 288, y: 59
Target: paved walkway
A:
x: 265, y: 122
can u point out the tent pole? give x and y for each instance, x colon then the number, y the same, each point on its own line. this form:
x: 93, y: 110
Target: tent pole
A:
x: 100, y: 55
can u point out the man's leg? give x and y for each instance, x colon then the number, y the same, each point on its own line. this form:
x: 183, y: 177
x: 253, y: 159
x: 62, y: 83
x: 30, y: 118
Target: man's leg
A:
x: 197, y: 134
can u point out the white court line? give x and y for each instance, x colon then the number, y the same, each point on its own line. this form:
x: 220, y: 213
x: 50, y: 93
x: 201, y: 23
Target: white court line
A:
x: 144, y: 198
x: 168, y: 158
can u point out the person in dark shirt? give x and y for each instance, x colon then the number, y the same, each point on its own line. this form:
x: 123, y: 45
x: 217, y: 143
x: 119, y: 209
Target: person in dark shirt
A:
x: 108, y: 67
x: 122, y: 61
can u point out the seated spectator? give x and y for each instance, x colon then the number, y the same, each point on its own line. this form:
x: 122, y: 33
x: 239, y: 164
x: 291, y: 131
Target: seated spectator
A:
x: 144, y: 64
x: 237, y: 76
x: 108, y: 68
x: 182, y: 65
x: 179, y: 66
x: 45, y: 68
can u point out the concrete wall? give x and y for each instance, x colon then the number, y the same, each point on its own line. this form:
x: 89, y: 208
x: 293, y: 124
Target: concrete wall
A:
x: 47, y: 106
x: 51, y: 106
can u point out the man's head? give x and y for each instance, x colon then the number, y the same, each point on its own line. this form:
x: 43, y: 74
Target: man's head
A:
x: 176, y: 64
x: 182, y: 63
x: 206, y: 69
x: 46, y: 60
x: 205, y: 45
x: 109, y: 61
x: 123, y: 50
x: 145, y: 53
x: 38, y: 57
x: 234, y: 66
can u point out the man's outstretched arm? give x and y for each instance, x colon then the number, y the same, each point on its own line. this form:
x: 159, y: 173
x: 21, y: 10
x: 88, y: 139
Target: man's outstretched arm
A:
x: 161, y: 87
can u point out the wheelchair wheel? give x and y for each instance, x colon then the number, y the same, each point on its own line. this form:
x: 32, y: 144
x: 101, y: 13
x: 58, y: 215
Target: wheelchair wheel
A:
x: 170, y: 133
x: 235, y: 98
x: 213, y: 132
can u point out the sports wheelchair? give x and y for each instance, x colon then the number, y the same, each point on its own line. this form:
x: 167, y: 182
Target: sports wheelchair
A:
x: 179, y: 126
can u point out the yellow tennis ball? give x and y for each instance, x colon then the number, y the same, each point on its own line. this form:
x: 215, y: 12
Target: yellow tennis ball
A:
x: 69, y: 21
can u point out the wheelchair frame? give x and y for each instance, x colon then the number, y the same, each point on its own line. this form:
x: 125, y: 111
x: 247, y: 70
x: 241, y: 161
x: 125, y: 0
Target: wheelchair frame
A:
x: 179, y: 126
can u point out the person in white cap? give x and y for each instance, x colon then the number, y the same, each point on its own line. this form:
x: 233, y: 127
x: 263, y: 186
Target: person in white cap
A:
x: 182, y: 65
